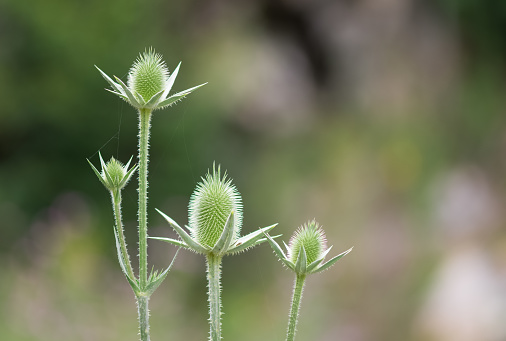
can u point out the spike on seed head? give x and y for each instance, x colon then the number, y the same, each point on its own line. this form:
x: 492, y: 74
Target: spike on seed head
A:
x: 148, y: 75
x: 210, y: 205
x: 312, y: 237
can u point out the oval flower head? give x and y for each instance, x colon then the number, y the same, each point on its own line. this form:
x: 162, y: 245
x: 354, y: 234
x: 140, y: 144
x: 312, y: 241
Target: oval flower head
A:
x: 149, y: 83
x: 306, y: 250
x: 215, y: 219
x: 114, y: 175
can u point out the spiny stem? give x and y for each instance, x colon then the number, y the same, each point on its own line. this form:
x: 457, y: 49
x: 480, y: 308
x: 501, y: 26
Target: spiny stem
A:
x: 294, y: 310
x: 116, y: 199
x: 214, y: 285
x: 142, y: 301
x: 142, y: 305
x: 144, y: 125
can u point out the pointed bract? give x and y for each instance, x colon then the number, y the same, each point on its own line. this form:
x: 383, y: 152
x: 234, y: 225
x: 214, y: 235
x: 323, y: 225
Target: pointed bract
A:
x: 250, y: 240
x: 172, y: 241
x: 195, y: 246
x: 170, y: 82
x: 176, y: 97
x: 222, y: 245
x: 333, y: 261
x: 156, y: 280
x: 301, y: 264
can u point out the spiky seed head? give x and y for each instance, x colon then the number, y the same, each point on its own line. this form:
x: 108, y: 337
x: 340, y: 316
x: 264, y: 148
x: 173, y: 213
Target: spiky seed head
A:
x: 148, y: 75
x: 210, y: 205
x: 117, y: 172
x: 312, y: 237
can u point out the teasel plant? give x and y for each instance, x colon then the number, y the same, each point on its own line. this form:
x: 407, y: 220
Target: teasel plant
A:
x: 215, y: 221
x: 148, y: 86
x: 305, y: 255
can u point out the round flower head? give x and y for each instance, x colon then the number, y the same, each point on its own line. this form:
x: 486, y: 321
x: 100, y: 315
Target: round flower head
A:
x: 210, y: 206
x: 116, y: 172
x: 312, y: 237
x: 114, y: 175
x: 148, y: 75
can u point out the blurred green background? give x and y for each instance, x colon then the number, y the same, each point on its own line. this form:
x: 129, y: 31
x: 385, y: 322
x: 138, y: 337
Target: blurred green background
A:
x: 383, y: 119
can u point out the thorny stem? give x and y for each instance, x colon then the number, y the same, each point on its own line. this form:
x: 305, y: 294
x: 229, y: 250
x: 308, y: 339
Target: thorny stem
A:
x: 142, y: 300
x: 214, y: 285
x: 116, y: 200
x: 144, y: 125
x: 142, y: 305
x: 294, y: 310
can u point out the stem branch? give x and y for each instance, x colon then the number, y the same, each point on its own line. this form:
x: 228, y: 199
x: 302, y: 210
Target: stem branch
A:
x: 116, y: 199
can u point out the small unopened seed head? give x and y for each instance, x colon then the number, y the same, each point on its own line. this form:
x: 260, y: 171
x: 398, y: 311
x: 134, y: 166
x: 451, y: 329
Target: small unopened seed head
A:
x: 117, y: 172
x: 210, y: 205
x: 148, y: 75
x: 312, y: 237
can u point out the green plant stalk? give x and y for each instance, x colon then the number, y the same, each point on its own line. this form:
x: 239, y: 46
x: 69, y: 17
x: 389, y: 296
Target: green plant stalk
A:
x: 142, y: 298
x: 144, y: 125
x: 116, y: 200
x: 294, y: 310
x: 142, y: 306
x: 214, y: 295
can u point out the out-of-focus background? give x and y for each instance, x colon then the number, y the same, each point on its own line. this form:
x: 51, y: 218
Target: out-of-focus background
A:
x: 383, y: 119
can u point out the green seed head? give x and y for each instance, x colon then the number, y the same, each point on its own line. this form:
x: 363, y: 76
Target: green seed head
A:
x: 116, y: 171
x: 148, y: 75
x: 312, y: 237
x: 210, y: 205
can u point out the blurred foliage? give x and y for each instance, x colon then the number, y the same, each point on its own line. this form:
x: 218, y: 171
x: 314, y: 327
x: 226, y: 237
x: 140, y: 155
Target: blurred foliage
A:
x: 355, y: 113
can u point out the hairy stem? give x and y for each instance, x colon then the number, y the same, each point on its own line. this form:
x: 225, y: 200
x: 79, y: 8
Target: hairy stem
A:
x: 144, y: 125
x: 214, y: 285
x: 116, y: 200
x: 294, y: 310
x: 142, y: 305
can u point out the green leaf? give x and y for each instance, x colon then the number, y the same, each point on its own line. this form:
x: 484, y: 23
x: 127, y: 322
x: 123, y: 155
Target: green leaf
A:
x: 156, y: 280
x: 332, y: 261
x: 252, y: 239
x: 223, y: 243
x: 301, y: 264
x: 184, y: 236
x: 170, y: 81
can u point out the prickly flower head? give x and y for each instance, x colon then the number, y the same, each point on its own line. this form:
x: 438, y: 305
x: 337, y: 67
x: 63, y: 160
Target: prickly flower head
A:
x: 312, y: 237
x: 148, y: 75
x: 210, y: 205
x: 149, y: 83
x: 114, y: 175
